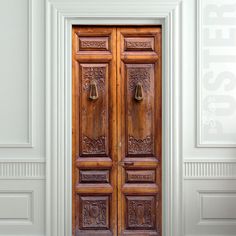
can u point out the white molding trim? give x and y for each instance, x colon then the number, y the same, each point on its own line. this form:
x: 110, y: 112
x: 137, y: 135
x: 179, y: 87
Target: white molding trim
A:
x: 199, y: 141
x: 60, y: 18
x: 30, y: 208
x: 198, y: 92
x: 218, y: 221
x: 209, y: 169
x: 23, y: 169
x: 29, y: 143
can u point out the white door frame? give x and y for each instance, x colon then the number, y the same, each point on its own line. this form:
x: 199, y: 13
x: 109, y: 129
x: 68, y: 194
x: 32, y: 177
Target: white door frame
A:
x: 61, y: 15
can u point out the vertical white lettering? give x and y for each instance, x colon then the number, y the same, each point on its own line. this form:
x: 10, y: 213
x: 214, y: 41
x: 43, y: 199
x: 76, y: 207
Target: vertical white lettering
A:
x: 219, y: 15
x: 218, y: 72
x: 219, y: 40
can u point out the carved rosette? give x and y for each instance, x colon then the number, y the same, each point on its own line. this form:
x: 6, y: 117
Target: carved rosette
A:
x: 140, y: 146
x: 141, y: 212
x: 139, y: 75
x: 96, y: 74
x: 94, y: 212
x: 94, y: 146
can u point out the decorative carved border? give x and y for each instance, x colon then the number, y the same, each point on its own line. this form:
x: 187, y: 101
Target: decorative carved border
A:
x: 61, y: 15
x: 209, y: 169
x: 28, y: 144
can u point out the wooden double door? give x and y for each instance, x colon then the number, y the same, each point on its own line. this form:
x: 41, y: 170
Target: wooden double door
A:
x: 117, y: 130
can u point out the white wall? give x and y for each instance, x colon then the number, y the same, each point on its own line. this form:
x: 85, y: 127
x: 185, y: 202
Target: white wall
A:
x: 209, y: 128
x: 22, y: 117
x: 209, y: 112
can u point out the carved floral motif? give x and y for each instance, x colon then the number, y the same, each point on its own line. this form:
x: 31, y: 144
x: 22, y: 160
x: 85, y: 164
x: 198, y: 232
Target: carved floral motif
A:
x: 143, y: 176
x: 140, y: 146
x: 138, y: 45
x: 94, y: 146
x: 140, y: 212
x: 139, y: 75
x: 94, y: 213
x: 93, y: 44
x: 96, y: 74
x: 90, y: 176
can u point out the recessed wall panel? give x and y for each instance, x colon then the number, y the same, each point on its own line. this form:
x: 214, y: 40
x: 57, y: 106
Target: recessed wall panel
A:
x: 14, y: 73
x: 216, y: 73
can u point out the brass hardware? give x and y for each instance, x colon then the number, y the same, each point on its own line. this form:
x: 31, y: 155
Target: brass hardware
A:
x: 126, y: 163
x: 138, y: 92
x: 93, y: 94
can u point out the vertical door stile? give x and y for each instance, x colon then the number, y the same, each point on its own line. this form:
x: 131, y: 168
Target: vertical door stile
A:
x: 119, y: 129
x: 114, y: 130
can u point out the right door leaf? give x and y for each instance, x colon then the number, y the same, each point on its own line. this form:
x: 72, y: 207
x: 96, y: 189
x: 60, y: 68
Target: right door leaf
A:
x: 139, y: 63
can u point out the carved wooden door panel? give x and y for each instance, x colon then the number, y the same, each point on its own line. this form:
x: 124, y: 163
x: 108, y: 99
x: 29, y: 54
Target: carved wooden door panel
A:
x: 139, y: 132
x: 94, y: 131
x: 116, y: 130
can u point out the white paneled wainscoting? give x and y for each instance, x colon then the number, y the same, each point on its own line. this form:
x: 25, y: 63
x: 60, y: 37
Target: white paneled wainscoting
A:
x: 22, y: 197
x: 22, y: 118
x: 209, y: 155
x: 210, y: 197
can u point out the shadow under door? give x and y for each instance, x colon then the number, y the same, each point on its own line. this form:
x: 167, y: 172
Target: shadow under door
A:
x: 116, y: 130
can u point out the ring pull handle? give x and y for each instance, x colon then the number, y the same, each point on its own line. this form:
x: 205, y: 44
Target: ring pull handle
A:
x: 93, y: 94
x: 138, y: 92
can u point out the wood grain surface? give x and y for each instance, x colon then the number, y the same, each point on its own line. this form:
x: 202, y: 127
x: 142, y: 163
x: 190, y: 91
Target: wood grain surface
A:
x: 117, y: 136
